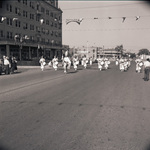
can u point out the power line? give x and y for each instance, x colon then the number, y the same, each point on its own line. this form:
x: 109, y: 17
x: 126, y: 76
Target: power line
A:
x: 102, y: 6
x: 124, y: 29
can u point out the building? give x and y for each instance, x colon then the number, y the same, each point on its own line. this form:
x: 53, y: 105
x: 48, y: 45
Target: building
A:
x: 90, y: 52
x: 110, y: 52
x: 30, y: 29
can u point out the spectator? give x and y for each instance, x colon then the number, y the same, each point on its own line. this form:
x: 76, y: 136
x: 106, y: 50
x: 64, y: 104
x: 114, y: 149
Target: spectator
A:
x: 7, y: 65
x: 146, y: 69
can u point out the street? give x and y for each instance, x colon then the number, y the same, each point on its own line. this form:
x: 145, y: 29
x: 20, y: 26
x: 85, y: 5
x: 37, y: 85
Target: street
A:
x: 84, y: 110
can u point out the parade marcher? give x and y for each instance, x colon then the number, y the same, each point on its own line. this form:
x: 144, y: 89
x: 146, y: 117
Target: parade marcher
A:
x: 85, y: 61
x: 75, y: 62
x: 125, y: 64
x: 117, y: 62
x: 7, y: 65
x: 146, y: 69
x: 106, y: 62
x: 100, y: 63
x: 66, y: 62
x: 121, y: 64
x: 43, y: 63
x: 50, y: 63
x: 139, y: 65
x: 55, y: 63
x: 91, y: 61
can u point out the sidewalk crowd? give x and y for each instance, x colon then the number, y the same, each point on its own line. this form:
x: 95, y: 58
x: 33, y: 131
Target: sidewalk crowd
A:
x: 8, y: 65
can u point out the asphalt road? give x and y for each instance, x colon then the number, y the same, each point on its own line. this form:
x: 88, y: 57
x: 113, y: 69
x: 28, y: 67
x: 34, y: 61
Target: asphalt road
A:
x: 84, y: 110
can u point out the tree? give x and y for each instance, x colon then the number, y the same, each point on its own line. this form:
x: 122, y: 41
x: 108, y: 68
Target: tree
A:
x: 119, y: 49
x: 132, y: 55
x: 143, y: 52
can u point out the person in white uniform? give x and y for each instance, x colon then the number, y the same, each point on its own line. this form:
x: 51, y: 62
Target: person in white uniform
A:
x: 75, y: 62
x: 66, y: 62
x: 55, y: 63
x: 43, y: 63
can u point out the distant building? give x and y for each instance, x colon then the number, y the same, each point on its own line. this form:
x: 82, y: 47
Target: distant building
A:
x: 109, y: 52
x: 30, y: 29
x: 89, y: 52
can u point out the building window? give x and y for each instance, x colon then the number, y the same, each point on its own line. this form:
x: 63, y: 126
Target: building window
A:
x: 51, y: 33
x: 38, y: 29
x: 47, y: 22
x: 37, y: 7
x: 51, y: 24
x: 17, y: 11
x: 9, y: 7
x: 37, y: 18
x: 9, y: 35
x: 18, y: 23
x: 52, y: 14
x: 25, y: 13
x: 25, y: 26
x: 56, y: 25
x: 42, y: 10
x: 47, y: 12
x: 32, y: 16
x: 9, y: 21
x: 25, y: 2
x: 31, y: 4
x: 31, y: 27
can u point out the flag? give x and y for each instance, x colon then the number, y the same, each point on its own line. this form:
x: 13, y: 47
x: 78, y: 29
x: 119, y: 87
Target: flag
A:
x: 123, y: 19
x: 41, y: 21
x: 2, y: 19
x: 74, y: 20
x: 137, y: 17
x: 15, y: 19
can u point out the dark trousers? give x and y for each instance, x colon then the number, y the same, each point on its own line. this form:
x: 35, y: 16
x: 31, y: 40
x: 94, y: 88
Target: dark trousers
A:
x: 7, y: 69
x: 146, y: 73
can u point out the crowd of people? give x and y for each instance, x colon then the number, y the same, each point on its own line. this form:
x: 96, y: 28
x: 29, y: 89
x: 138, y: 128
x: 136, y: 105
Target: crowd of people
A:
x: 103, y: 63
x: 8, y: 65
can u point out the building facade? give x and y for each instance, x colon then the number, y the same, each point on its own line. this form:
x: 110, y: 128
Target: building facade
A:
x: 30, y: 29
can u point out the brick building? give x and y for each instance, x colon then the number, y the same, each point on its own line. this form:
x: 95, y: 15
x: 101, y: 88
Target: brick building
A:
x: 30, y: 29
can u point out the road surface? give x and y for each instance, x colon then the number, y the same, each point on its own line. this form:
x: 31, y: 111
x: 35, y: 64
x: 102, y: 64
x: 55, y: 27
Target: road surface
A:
x: 84, y: 110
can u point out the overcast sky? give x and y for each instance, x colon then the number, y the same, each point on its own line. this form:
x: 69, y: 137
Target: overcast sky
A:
x: 133, y: 34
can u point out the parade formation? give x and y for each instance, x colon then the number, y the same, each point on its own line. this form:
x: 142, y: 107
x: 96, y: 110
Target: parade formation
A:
x: 9, y: 65
x: 103, y: 63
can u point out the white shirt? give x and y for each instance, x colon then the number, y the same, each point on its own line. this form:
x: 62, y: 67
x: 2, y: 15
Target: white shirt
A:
x: 146, y: 64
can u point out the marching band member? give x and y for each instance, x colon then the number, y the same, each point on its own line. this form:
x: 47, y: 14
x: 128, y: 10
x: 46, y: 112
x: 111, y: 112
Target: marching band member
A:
x: 121, y: 64
x: 106, y: 62
x: 43, y: 63
x: 85, y: 61
x: 91, y: 60
x: 66, y: 62
x: 139, y: 65
x: 50, y: 63
x: 117, y: 62
x: 75, y: 62
x: 100, y: 63
x: 55, y: 63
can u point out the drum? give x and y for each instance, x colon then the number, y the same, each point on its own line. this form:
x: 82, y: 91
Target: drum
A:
x: 44, y: 63
x: 102, y: 62
x: 140, y: 64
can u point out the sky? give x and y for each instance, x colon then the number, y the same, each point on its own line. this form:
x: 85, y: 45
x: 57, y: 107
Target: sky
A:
x: 104, y: 32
